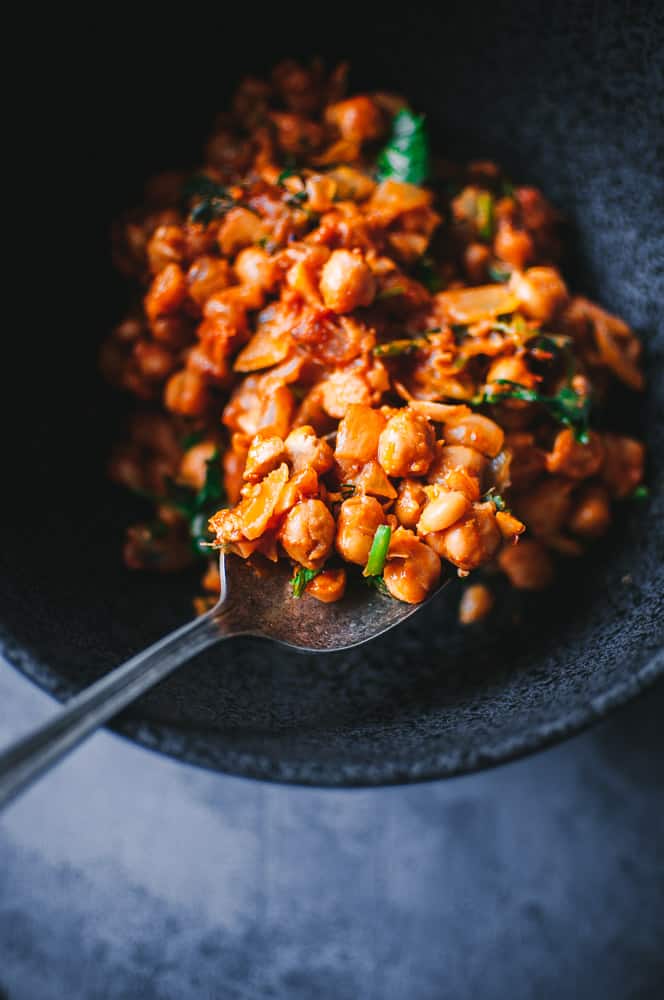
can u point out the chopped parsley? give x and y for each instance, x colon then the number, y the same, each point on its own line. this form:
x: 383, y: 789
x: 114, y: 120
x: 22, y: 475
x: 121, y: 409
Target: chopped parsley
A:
x: 301, y: 578
x: 391, y: 292
x: 640, y: 493
x: 406, y: 155
x: 378, y: 552
x: 567, y: 407
x: 397, y: 348
x: 197, y: 506
x: 497, y: 273
x: 496, y: 499
x: 214, y: 200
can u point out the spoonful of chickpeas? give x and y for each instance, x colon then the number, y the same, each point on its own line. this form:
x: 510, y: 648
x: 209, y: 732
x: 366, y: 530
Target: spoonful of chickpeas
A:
x: 254, y: 600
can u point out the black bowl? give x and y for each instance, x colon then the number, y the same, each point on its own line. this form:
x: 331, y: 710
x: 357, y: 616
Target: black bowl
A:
x: 569, y: 101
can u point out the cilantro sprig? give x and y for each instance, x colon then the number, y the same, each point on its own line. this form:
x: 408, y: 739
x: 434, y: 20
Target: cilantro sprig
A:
x: 378, y: 552
x: 197, y: 506
x: 406, y: 155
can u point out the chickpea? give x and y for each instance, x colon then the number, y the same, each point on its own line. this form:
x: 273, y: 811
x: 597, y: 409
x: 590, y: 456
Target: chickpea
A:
x: 571, y: 458
x: 239, y: 229
x: 329, y: 586
x: 126, y: 468
x: 305, y: 450
x: 476, y: 258
x: 307, y: 533
x: 347, y: 282
x: 475, y: 431
x: 515, y: 246
x: 154, y: 360
x: 266, y: 452
x: 358, y: 118
x: 321, y: 190
x: 470, y: 542
x: 234, y: 461
x: 411, y: 499
x: 412, y: 569
x: 167, y: 292
x: 206, y: 276
x: 254, y: 266
x: 406, y: 445
x: 358, y: 433
x: 193, y: 465
x: 359, y: 517
x: 165, y: 246
x: 546, y: 507
x: 591, y: 516
x: 460, y: 481
x: 624, y: 459
x: 187, y: 394
x: 443, y: 510
x: 456, y: 457
x: 341, y: 390
x: 527, y: 565
x: 476, y: 603
x: 541, y: 292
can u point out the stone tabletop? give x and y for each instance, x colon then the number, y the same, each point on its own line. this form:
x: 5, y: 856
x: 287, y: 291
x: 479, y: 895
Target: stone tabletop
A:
x: 128, y: 875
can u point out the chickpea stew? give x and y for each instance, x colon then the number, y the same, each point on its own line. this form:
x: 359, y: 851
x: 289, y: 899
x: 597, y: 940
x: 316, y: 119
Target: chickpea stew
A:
x: 346, y: 352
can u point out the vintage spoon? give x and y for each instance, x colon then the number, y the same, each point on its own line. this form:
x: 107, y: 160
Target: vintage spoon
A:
x: 256, y: 602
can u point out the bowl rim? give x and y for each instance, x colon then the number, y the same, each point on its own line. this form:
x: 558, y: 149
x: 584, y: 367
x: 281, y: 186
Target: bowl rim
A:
x: 181, y: 744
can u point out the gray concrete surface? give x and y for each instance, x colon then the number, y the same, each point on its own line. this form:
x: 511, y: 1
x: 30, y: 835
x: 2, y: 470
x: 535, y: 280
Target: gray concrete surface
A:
x: 127, y: 875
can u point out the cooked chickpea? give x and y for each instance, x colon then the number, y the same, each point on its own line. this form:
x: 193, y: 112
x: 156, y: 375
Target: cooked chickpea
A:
x: 476, y: 431
x: 476, y: 603
x: 358, y: 519
x: 304, y: 449
x: 591, y: 515
x: 167, y: 292
x: 412, y: 569
x: 411, y: 499
x: 154, y: 360
x: 307, y: 533
x: 513, y: 245
x: 546, y: 507
x: 624, y: 459
x: 406, y: 445
x: 357, y: 118
x: 347, y: 282
x: 571, y: 458
x: 206, y: 276
x: 513, y: 369
x: 456, y: 457
x: 443, y: 510
x: 541, y: 292
x: 186, y: 393
x: 239, y: 229
x: 476, y: 259
x: 470, y: 542
x: 254, y: 266
x: 329, y: 586
x: 528, y: 565
x: 194, y: 464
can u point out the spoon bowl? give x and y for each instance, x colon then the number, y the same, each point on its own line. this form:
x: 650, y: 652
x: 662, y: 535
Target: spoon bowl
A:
x: 254, y: 600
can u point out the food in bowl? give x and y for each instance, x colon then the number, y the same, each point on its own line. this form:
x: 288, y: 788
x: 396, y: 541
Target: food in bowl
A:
x: 356, y: 356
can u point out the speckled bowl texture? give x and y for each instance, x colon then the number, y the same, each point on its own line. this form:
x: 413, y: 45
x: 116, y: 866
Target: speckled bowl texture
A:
x: 568, y: 98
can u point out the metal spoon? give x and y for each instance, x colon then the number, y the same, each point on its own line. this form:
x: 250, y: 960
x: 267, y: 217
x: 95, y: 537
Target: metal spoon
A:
x: 253, y: 601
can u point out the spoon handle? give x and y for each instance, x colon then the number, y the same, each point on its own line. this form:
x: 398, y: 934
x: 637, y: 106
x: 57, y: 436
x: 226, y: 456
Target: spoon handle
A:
x: 26, y: 759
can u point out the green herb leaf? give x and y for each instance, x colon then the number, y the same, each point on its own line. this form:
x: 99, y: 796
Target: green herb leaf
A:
x: 190, y: 439
x: 296, y: 199
x: 640, y: 493
x: 497, y: 500
x: 301, y: 578
x: 378, y: 552
x: 567, y: 407
x: 485, y: 216
x: 425, y: 272
x: 391, y: 292
x: 379, y: 583
x: 406, y: 155
x: 498, y: 274
x: 397, y: 348
x: 214, y: 202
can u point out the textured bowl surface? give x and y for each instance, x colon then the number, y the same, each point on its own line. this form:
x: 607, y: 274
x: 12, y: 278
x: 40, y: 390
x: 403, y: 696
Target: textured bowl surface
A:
x: 567, y: 101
